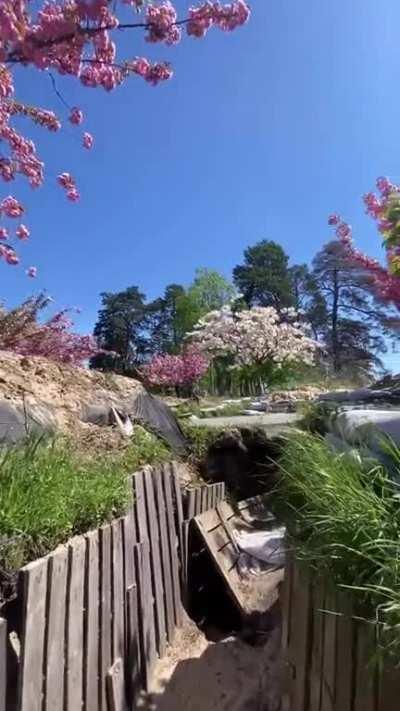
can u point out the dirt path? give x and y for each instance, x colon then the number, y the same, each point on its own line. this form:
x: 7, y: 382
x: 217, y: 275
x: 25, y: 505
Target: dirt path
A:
x: 198, y: 675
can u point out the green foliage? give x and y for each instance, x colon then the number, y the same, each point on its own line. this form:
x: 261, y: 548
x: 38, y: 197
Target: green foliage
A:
x: 209, y: 290
x: 264, y: 278
x: 200, y: 440
x: 343, y: 518
x: 49, y: 492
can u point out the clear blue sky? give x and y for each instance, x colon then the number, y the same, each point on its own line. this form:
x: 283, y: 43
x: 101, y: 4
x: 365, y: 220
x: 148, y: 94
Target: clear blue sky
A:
x: 260, y: 134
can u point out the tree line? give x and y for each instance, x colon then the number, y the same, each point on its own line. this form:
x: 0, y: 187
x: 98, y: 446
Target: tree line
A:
x: 332, y: 294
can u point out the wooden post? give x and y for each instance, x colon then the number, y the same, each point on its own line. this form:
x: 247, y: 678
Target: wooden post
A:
x: 3, y: 664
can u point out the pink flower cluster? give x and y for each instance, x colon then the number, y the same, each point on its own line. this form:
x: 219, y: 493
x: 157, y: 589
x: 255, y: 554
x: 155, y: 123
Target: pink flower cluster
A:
x: 175, y: 370
x: 76, y: 38
x: 384, y: 208
x: 226, y: 17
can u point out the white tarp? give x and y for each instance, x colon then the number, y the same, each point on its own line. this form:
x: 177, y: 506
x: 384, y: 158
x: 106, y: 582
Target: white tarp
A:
x: 260, y: 550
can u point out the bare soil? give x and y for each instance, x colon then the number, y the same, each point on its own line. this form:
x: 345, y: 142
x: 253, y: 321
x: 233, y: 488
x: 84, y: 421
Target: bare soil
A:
x: 199, y: 675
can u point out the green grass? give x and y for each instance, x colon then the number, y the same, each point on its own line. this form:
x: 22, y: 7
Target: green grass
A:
x: 49, y: 492
x: 343, y: 518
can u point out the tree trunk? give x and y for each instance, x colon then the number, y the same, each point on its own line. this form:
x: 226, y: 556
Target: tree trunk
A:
x: 335, y: 316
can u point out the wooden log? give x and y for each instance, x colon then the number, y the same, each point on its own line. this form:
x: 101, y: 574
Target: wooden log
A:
x: 3, y: 664
x: 146, y: 607
x: 118, y: 598
x: 105, y: 611
x: 116, y: 687
x: 74, y: 624
x: 33, y: 586
x: 91, y: 664
x: 55, y: 634
x: 134, y: 668
x: 155, y: 563
x: 173, y: 546
x: 165, y: 557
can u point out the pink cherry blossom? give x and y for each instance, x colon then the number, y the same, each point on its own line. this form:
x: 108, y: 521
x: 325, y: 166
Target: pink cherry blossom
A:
x: 22, y: 232
x: 76, y: 116
x: 88, y: 140
x: 31, y: 272
x: 175, y: 370
x: 80, y: 39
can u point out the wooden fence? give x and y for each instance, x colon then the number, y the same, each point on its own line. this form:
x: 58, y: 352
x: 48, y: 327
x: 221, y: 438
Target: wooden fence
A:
x: 328, y: 653
x: 99, y: 610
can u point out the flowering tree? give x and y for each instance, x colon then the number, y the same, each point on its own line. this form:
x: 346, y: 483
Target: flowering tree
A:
x: 384, y: 208
x: 21, y: 333
x: 79, y: 38
x: 252, y: 347
x: 175, y: 370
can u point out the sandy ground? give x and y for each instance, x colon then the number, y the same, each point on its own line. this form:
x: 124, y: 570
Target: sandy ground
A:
x: 199, y: 675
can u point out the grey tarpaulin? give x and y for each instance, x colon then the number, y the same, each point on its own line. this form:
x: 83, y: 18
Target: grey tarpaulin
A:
x: 18, y: 421
x: 144, y: 409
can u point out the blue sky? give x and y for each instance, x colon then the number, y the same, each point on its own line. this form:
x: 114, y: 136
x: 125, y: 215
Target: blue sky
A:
x: 260, y: 134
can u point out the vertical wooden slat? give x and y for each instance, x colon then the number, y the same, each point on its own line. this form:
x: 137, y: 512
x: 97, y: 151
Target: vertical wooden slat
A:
x: 165, y: 557
x: 173, y: 546
x: 155, y: 562
x: 116, y: 686
x: 191, y: 500
x: 91, y: 655
x: 203, y: 499
x: 128, y: 541
x: 55, y: 632
x: 141, y: 513
x: 365, y: 686
x: 133, y: 665
x: 344, y: 657
x: 389, y: 691
x: 33, y: 581
x: 105, y: 611
x: 185, y: 558
x: 198, y: 501
x: 118, y: 597
x: 287, y: 608
x: 177, y: 500
x: 3, y: 664
x: 329, y: 668
x: 317, y: 651
x: 74, y: 624
x: 146, y: 607
x: 300, y: 638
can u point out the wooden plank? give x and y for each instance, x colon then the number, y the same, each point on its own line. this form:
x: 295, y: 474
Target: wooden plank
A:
x: 155, y: 563
x: 3, y: 664
x: 286, y: 603
x: 316, y: 634
x: 204, y: 506
x: 185, y: 558
x: 33, y: 586
x: 329, y: 655
x: 146, y: 607
x: 165, y: 557
x: 300, y: 639
x: 173, y: 546
x: 116, y: 686
x: 190, y: 503
x: 128, y: 541
x: 177, y: 497
x: 55, y: 632
x: 389, y: 691
x: 141, y: 513
x: 91, y: 655
x: 133, y: 666
x: 344, y: 658
x: 366, y: 683
x: 213, y: 496
x: 198, y: 501
x: 74, y: 624
x: 118, y: 597
x: 105, y: 610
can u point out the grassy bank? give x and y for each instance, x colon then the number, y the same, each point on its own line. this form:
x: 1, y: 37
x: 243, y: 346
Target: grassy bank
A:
x: 343, y: 518
x: 49, y: 492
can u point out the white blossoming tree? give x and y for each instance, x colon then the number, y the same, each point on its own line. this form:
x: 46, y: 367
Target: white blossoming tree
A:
x: 258, y: 345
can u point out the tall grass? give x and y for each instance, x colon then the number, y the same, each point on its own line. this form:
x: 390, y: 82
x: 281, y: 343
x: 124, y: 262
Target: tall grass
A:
x: 343, y: 517
x: 49, y: 492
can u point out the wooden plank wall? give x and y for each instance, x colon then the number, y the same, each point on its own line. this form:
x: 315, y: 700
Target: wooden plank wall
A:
x: 328, y: 653
x: 98, y: 610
